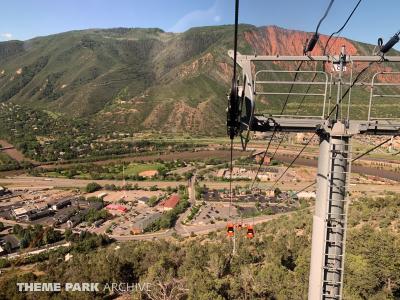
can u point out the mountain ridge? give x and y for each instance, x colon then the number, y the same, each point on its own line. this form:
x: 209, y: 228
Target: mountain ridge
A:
x: 141, y: 77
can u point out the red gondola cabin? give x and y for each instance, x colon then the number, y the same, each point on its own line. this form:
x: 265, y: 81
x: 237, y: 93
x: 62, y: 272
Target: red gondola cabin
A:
x: 250, y: 231
x: 230, y: 230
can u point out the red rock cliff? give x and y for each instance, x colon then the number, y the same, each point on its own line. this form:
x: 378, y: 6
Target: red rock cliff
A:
x: 273, y: 40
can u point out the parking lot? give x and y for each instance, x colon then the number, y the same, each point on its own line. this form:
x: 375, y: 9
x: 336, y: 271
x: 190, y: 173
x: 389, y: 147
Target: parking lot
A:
x: 210, y: 213
x: 130, y: 196
x: 137, y: 217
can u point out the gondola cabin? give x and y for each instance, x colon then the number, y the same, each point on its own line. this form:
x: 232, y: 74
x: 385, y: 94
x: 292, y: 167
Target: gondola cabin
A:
x: 230, y: 230
x: 250, y: 231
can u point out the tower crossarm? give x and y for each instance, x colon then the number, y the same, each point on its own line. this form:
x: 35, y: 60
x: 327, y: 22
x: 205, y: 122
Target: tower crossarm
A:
x: 287, y: 124
x: 378, y: 127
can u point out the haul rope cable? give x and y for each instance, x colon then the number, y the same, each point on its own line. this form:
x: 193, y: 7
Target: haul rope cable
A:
x: 233, y: 87
x: 329, y: 115
x: 337, y: 104
x: 233, y: 115
x: 315, y: 75
x: 308, y: 47
x: 341, y: 28
x: 353, y: 160
x: 333, y: 110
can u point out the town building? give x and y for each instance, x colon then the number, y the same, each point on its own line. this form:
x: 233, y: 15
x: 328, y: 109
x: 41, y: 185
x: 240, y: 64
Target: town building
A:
x: 22, y: 213
x: 306, y: 195
x: 171, y: 202
x: 11, y: 240
x: 62, y: 203
x: 143, y: 200
x: 40, y: 214
x: 73, y: 221
x: 63, y: 217
x: 97, y: 205
x: 269, y: 193
x: 221, y: 172
x: 4, y: 191
x: 42, y: 205
x: 98, y: 223
x: 238, y: 173
x: 143, y: 221
x: 259, y: 156
x: 116, y: 207
x: 102, y: 195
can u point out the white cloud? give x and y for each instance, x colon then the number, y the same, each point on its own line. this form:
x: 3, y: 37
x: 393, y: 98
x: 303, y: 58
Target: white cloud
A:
x: 217, y: 19
x: 197, y: 18
x: 6, y: 36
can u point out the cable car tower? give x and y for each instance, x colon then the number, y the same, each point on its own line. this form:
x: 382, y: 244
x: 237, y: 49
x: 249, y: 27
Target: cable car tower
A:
x: 334, y: 129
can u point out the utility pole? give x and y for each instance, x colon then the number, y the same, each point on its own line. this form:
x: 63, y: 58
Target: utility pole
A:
x: 334, y: 161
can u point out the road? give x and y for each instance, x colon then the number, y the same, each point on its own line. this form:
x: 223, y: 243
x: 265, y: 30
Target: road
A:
x: 179, y: 226
x: 183, y: 230
x: 22, y: 182
x: 192, y: 188
x: 24, y: 225
x: 45, y: 248
x: 44, y: 182
x: 11, y: 222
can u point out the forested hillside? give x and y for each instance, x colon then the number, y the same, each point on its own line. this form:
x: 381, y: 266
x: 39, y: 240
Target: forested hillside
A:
x: 274, y: 265
x: 147, y: 79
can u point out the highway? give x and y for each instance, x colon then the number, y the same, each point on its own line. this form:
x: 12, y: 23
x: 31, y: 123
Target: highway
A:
x: 45, y: 182
x: 26, y: 182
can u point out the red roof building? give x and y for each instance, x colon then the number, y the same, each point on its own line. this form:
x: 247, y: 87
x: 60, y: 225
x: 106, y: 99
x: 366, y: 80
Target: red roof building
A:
x: 171, y: 202
x: 116, y: 207
x: 259, y: 156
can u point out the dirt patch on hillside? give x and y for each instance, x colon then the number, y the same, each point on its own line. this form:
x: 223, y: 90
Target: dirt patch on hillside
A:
x: 12, y: 152
x: 185, y: 116
x: 193, y: 67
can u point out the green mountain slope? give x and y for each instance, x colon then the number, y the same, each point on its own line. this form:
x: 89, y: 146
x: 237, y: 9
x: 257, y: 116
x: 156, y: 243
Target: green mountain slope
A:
x: 141, y: 79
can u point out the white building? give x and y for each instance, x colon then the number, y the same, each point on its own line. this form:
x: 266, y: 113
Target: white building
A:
x: 306, y: 195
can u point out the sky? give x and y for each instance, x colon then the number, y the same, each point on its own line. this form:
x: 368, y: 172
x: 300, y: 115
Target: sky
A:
x: 25, y: 19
